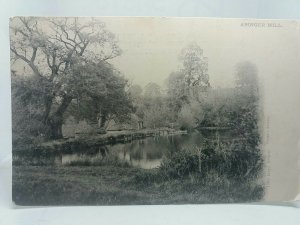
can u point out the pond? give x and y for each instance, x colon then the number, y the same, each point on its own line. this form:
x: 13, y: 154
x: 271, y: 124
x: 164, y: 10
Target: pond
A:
x: 146, y: 153
x: 143, y: 153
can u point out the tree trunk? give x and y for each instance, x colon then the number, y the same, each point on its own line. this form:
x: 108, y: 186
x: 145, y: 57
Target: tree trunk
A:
x: 56, y: 128
x: 48, y: 103
x: 56, y: 120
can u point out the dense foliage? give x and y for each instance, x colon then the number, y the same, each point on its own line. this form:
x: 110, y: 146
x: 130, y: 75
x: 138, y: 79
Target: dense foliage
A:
x: 50, y: 52
x: 64, y: 60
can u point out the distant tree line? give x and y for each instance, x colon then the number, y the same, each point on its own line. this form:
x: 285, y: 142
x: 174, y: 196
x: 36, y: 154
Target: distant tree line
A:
x: 190, y: 102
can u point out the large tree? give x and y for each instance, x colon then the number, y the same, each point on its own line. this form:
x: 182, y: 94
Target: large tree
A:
x: 194, y: 66
x: 177, y: 90
x: 186, y: 85
x: 50, y: 50
x: 102, y: 96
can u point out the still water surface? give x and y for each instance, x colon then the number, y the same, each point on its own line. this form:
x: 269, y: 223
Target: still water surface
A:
x: 144, y: 153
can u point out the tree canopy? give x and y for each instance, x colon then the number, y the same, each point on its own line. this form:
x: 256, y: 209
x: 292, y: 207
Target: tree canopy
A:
x: 60, y: 54
x: 102, y: 94
x: 194, y: 66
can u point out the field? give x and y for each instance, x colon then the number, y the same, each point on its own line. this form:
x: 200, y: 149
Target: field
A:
x: 110, y: 185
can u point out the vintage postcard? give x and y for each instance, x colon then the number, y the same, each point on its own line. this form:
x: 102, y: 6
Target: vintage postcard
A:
x: 149, y: 110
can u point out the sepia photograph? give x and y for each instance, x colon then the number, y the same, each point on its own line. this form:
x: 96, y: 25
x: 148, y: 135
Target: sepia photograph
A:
x: 144, y: 110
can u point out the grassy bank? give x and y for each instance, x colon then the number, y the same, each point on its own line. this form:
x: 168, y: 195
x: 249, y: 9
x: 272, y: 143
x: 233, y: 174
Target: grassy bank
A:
x: 71, y: 145
x: 213, y: 173
x: 110, y: 185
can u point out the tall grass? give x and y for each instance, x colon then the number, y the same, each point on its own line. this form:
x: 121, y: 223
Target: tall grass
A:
x: 240, y: 162
x: 207, y: 175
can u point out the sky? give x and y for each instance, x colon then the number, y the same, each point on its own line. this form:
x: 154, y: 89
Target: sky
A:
x: 151, y: 46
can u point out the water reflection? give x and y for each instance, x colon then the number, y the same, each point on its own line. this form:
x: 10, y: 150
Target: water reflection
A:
x: 144, y: 153
x: 221, y: 149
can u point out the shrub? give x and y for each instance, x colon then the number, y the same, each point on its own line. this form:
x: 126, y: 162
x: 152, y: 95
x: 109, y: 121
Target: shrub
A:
x: 180, y: 164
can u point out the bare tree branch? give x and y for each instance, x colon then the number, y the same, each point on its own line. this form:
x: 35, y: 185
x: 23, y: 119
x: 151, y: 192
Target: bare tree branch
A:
x: 29, y: 62
x: 33, y: 55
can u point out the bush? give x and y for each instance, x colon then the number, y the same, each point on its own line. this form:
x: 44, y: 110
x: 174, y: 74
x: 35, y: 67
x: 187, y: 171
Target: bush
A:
x: 190, y: 115
x: 238, y: 163
x: 180, y: 164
